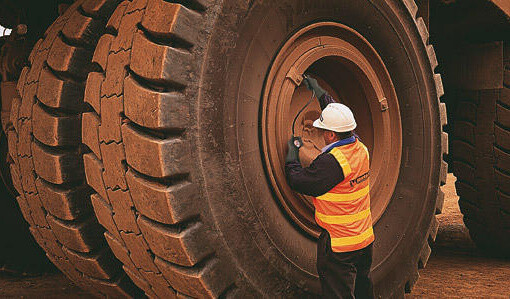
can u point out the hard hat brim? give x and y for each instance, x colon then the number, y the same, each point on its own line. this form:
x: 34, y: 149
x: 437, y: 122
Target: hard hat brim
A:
x: 319, y: 124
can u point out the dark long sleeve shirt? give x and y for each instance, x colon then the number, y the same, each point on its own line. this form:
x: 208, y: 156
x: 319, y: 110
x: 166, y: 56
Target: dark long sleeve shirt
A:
x: 322, y: 175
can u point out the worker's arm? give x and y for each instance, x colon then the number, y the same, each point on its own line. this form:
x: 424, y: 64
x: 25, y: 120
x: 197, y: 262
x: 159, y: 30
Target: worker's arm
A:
x: 320, y: 177
x: 324, y: 98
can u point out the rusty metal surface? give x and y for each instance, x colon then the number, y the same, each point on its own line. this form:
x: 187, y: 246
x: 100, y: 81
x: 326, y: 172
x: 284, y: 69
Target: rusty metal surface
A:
x: 348, y: 67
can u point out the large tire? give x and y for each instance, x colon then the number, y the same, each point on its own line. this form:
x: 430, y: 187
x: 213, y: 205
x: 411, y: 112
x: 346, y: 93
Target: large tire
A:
x: 481, y: 162
x: 44, y: 143
x: 179, y: 180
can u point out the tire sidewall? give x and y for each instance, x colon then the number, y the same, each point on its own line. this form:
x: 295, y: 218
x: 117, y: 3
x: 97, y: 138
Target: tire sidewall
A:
x: 274, y: 254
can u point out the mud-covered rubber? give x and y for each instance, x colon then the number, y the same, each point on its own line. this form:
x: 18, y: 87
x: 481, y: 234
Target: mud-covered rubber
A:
x: 481, y: 162
x: 45, y: 146
x: 157, y: 174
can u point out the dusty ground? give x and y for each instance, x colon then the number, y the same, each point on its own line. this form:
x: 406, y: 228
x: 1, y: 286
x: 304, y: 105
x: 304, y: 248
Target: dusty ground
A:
x: 455, y: 270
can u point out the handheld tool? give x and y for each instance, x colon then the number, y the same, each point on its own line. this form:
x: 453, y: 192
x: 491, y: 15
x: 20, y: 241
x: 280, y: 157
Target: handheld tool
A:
x: 296, y: 140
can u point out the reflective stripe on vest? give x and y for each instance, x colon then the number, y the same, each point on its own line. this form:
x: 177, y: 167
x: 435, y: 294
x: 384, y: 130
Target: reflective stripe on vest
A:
x: 345, y: 210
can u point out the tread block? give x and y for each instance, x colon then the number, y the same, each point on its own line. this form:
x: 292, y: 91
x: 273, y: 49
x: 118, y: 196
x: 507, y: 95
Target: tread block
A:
x: 57, y: 167
x: 102, y: 50
x: 34, y: 51
x: 83, y: 28
x: 504, y: 199
x: 124, y: 214
x: 22, y: 78
x: 502, y: 137
x: 153, y: 156
x: 64, y: 266
x: 37, y: 211
x: 139, y: 281
x: 82, y: 236
x: 431, y: 53
x: 116, y: 18
x: 443, y: 116
x: 181, y: 246
x: 24, y: 138
x: 114, y: 82
x: 25, y: 108
x: 53, y: 246
x: 204, y: 281
x: 505, y: 95
x: 167, y: 18
x: 90, y: 132
x: 13, y: 118
x: 104, y: 214
x: 58, y: 93
x: 140, y: 252
x: 444, y: 143
x: 153, y: 109
x: 34, y: 71
x: 100, y: 265
x: 111, y: 109
x: 16, y: 178
x: 93, y: 91
x: 424, y: 255
x: 114, y: 167
x: 464, y: 172
x: 94, y: 173
x: 439, y: 85
x: 502, y: 180
x: 467, y: 194
x: 411, y: 7
x: 99, y: 7
x: 27, y: 175
x: 165, y: 204
x: 467, y: 110
x: 434, y: 226
x: 443, y: 172
x: 67, y: 58
x: 119, y: 250
x: 122, y: 287
x: 439, y: 202
x: 56, y: 130
x: 66, y: 204
x: 128, y: 26
x: 12, y: 144
x: 160, y: 63
x: 422, y: 28
x: 463, y: 151
x: 159, y: 284
x: 503, y: 116
x: 502, y: 159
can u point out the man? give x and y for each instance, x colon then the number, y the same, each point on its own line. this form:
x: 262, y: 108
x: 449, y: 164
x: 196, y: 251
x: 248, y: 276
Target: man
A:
x: 338, y: 181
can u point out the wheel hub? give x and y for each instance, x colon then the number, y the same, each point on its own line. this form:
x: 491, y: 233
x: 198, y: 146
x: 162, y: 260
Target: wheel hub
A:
x: 349, y: 68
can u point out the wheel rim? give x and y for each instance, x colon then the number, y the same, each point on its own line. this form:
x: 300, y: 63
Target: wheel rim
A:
x: 353, y: 73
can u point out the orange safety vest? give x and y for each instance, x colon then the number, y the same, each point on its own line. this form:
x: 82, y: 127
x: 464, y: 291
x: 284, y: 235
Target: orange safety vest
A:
x: 344, y: 211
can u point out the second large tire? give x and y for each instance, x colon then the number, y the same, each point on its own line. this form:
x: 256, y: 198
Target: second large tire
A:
x: 481, y: 162
x: 174, y: 137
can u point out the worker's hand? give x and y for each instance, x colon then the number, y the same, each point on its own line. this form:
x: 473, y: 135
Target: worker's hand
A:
x: 294, y: 144
x: 312, y: 84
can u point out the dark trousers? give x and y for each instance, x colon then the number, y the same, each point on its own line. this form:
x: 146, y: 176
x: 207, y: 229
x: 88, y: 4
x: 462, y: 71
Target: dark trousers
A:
x: 344, y: 274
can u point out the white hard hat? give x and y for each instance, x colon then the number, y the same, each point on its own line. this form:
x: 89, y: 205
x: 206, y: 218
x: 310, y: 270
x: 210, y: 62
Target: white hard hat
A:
x: 336, y: 117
